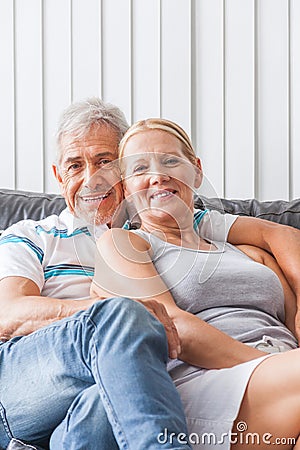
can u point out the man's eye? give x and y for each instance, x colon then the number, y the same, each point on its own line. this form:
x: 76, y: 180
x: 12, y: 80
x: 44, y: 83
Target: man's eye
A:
x: 106, y: 163
x: 102, y: 162
x: 74, y: 166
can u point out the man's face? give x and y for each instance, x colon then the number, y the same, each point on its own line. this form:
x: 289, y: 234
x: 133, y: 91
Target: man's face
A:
x: 88, y: 177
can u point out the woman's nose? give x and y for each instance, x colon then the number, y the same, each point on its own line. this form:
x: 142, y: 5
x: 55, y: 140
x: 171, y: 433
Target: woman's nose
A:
x: 158, y: 177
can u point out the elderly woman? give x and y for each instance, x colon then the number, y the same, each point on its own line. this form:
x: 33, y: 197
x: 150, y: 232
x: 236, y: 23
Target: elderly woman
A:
x: 201, y: 281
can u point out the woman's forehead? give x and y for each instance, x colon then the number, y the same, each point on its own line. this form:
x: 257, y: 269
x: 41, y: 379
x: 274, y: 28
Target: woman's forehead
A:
x: 150, y: 141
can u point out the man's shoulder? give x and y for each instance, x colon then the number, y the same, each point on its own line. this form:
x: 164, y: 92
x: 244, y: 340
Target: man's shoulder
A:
x: 29, y: 226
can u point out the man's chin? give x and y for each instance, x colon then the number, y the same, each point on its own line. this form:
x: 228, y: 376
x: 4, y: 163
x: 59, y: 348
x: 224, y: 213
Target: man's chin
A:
x: 93, y: 218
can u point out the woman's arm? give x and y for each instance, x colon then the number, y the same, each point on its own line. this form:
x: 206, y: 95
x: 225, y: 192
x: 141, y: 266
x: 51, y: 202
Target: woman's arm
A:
x: 290, y: 304
x: 124, y: 268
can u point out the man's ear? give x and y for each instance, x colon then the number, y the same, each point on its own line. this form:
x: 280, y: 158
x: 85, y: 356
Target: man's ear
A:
x: 199, y: 173
x: 57, y: 175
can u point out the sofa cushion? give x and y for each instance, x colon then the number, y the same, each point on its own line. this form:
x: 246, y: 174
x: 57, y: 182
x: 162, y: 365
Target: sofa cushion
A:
x: 280, y: 211
x: 18, y: 205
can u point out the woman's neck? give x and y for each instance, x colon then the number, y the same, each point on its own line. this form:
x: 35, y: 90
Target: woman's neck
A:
x: 179, y: 232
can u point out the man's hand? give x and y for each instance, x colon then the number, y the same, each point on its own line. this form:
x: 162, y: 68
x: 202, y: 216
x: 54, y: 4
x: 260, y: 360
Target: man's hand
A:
x: 160, y: 313
x: 94, y: 291
x: 297, y: 325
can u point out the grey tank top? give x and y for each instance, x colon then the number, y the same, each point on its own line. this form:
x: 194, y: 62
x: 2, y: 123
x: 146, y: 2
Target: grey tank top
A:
x: 225, y: 288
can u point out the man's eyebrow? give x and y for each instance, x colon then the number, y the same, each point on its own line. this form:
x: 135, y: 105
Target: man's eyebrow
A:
x: 71, y: 159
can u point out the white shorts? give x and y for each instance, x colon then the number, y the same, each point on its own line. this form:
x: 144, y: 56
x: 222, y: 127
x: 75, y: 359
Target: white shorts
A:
x: 212, y: 399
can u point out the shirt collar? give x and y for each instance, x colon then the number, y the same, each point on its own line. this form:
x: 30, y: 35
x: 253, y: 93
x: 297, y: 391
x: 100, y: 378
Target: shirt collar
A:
x: 73, y: 223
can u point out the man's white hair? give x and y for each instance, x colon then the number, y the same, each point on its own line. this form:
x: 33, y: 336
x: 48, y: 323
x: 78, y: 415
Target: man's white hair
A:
x: 78, y: 118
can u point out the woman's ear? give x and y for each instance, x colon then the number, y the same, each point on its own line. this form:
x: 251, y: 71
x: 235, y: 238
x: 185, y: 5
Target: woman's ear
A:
x: 199, y: 173
x: 127, y: 195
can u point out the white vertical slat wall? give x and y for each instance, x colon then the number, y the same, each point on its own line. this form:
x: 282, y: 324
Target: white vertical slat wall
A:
x: 294, y: 99
x: 7, y: 96
x: 57, y: 73
x: 273, y: 68
x: 228, y: 71
x: 239, y: 95
x: 208, y: 91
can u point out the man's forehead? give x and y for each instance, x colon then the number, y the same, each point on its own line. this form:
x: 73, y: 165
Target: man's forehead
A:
x: 94, y: 144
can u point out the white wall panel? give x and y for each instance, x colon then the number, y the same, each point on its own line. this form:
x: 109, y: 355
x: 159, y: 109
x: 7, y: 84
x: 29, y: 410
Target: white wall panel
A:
x: 29, y: 105
x: 273, y: 133
x: 7, y: 110
x: 176, y: 61
x: 57, y: 76
x: 295, y: 99
x: 145, y: 59
x: 226, y: 70
x: 239, y: 98
x: 116, y: 56
x: 207, y: 95
x: 86, y: 32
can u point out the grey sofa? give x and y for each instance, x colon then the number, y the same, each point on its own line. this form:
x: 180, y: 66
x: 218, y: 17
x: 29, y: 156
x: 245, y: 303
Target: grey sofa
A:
x: 18, y: 205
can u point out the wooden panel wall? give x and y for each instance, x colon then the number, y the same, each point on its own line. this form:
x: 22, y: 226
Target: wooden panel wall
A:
x: 227, y: 70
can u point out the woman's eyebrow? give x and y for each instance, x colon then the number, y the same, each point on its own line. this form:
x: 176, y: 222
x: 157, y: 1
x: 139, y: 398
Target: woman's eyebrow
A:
x: 134, y: 160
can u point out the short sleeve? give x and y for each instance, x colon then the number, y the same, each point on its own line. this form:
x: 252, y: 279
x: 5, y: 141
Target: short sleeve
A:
x: 213, y: 225
x: 21, y: 253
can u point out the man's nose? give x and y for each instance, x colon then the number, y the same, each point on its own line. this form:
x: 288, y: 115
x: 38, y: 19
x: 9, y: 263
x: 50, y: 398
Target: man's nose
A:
x: 92, y: 177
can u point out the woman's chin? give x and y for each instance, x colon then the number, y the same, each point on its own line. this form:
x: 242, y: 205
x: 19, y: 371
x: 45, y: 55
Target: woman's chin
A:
x: 165, y: 215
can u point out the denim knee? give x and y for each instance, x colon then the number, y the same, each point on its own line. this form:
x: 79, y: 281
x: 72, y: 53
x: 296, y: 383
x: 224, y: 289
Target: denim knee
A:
x: 129, y: 320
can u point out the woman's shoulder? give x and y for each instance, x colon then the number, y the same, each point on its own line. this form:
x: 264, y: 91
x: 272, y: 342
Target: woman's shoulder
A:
x: 121, y: 238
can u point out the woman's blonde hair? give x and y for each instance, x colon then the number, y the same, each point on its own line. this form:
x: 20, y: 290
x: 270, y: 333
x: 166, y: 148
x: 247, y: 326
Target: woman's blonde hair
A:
x: 162, y: 125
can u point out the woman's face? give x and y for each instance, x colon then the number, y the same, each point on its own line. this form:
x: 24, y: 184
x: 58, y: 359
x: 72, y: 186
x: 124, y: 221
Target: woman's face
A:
x: 158, y: 177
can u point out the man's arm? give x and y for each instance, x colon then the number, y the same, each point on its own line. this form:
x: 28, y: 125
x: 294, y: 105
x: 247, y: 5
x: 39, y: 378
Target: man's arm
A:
x: 24, y: 310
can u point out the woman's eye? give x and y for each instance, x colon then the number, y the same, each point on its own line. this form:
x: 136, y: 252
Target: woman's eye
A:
x: 139, y: 169
x: 171, y: 161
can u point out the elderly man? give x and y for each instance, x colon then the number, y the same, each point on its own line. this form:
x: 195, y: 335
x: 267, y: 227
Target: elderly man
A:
x: 75, y: 368
x: 103, y: 359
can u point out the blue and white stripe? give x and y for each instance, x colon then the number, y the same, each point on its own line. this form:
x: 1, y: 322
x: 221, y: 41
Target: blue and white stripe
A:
x: 63, y: 234
x: 68, y: 269
x: 15, y: 239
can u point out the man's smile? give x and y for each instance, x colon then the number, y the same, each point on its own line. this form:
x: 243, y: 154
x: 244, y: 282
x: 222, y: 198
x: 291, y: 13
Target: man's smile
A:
x: 90, y: 198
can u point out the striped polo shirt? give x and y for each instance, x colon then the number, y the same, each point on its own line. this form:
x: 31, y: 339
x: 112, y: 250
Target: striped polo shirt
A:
x: 58, y: 253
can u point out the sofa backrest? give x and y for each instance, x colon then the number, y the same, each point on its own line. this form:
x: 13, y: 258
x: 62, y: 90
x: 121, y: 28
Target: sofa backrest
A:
x: 280, y: 211
x: 18, y: 205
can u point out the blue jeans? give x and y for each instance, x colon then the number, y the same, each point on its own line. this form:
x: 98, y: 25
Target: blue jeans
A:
x: 99, y: 370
